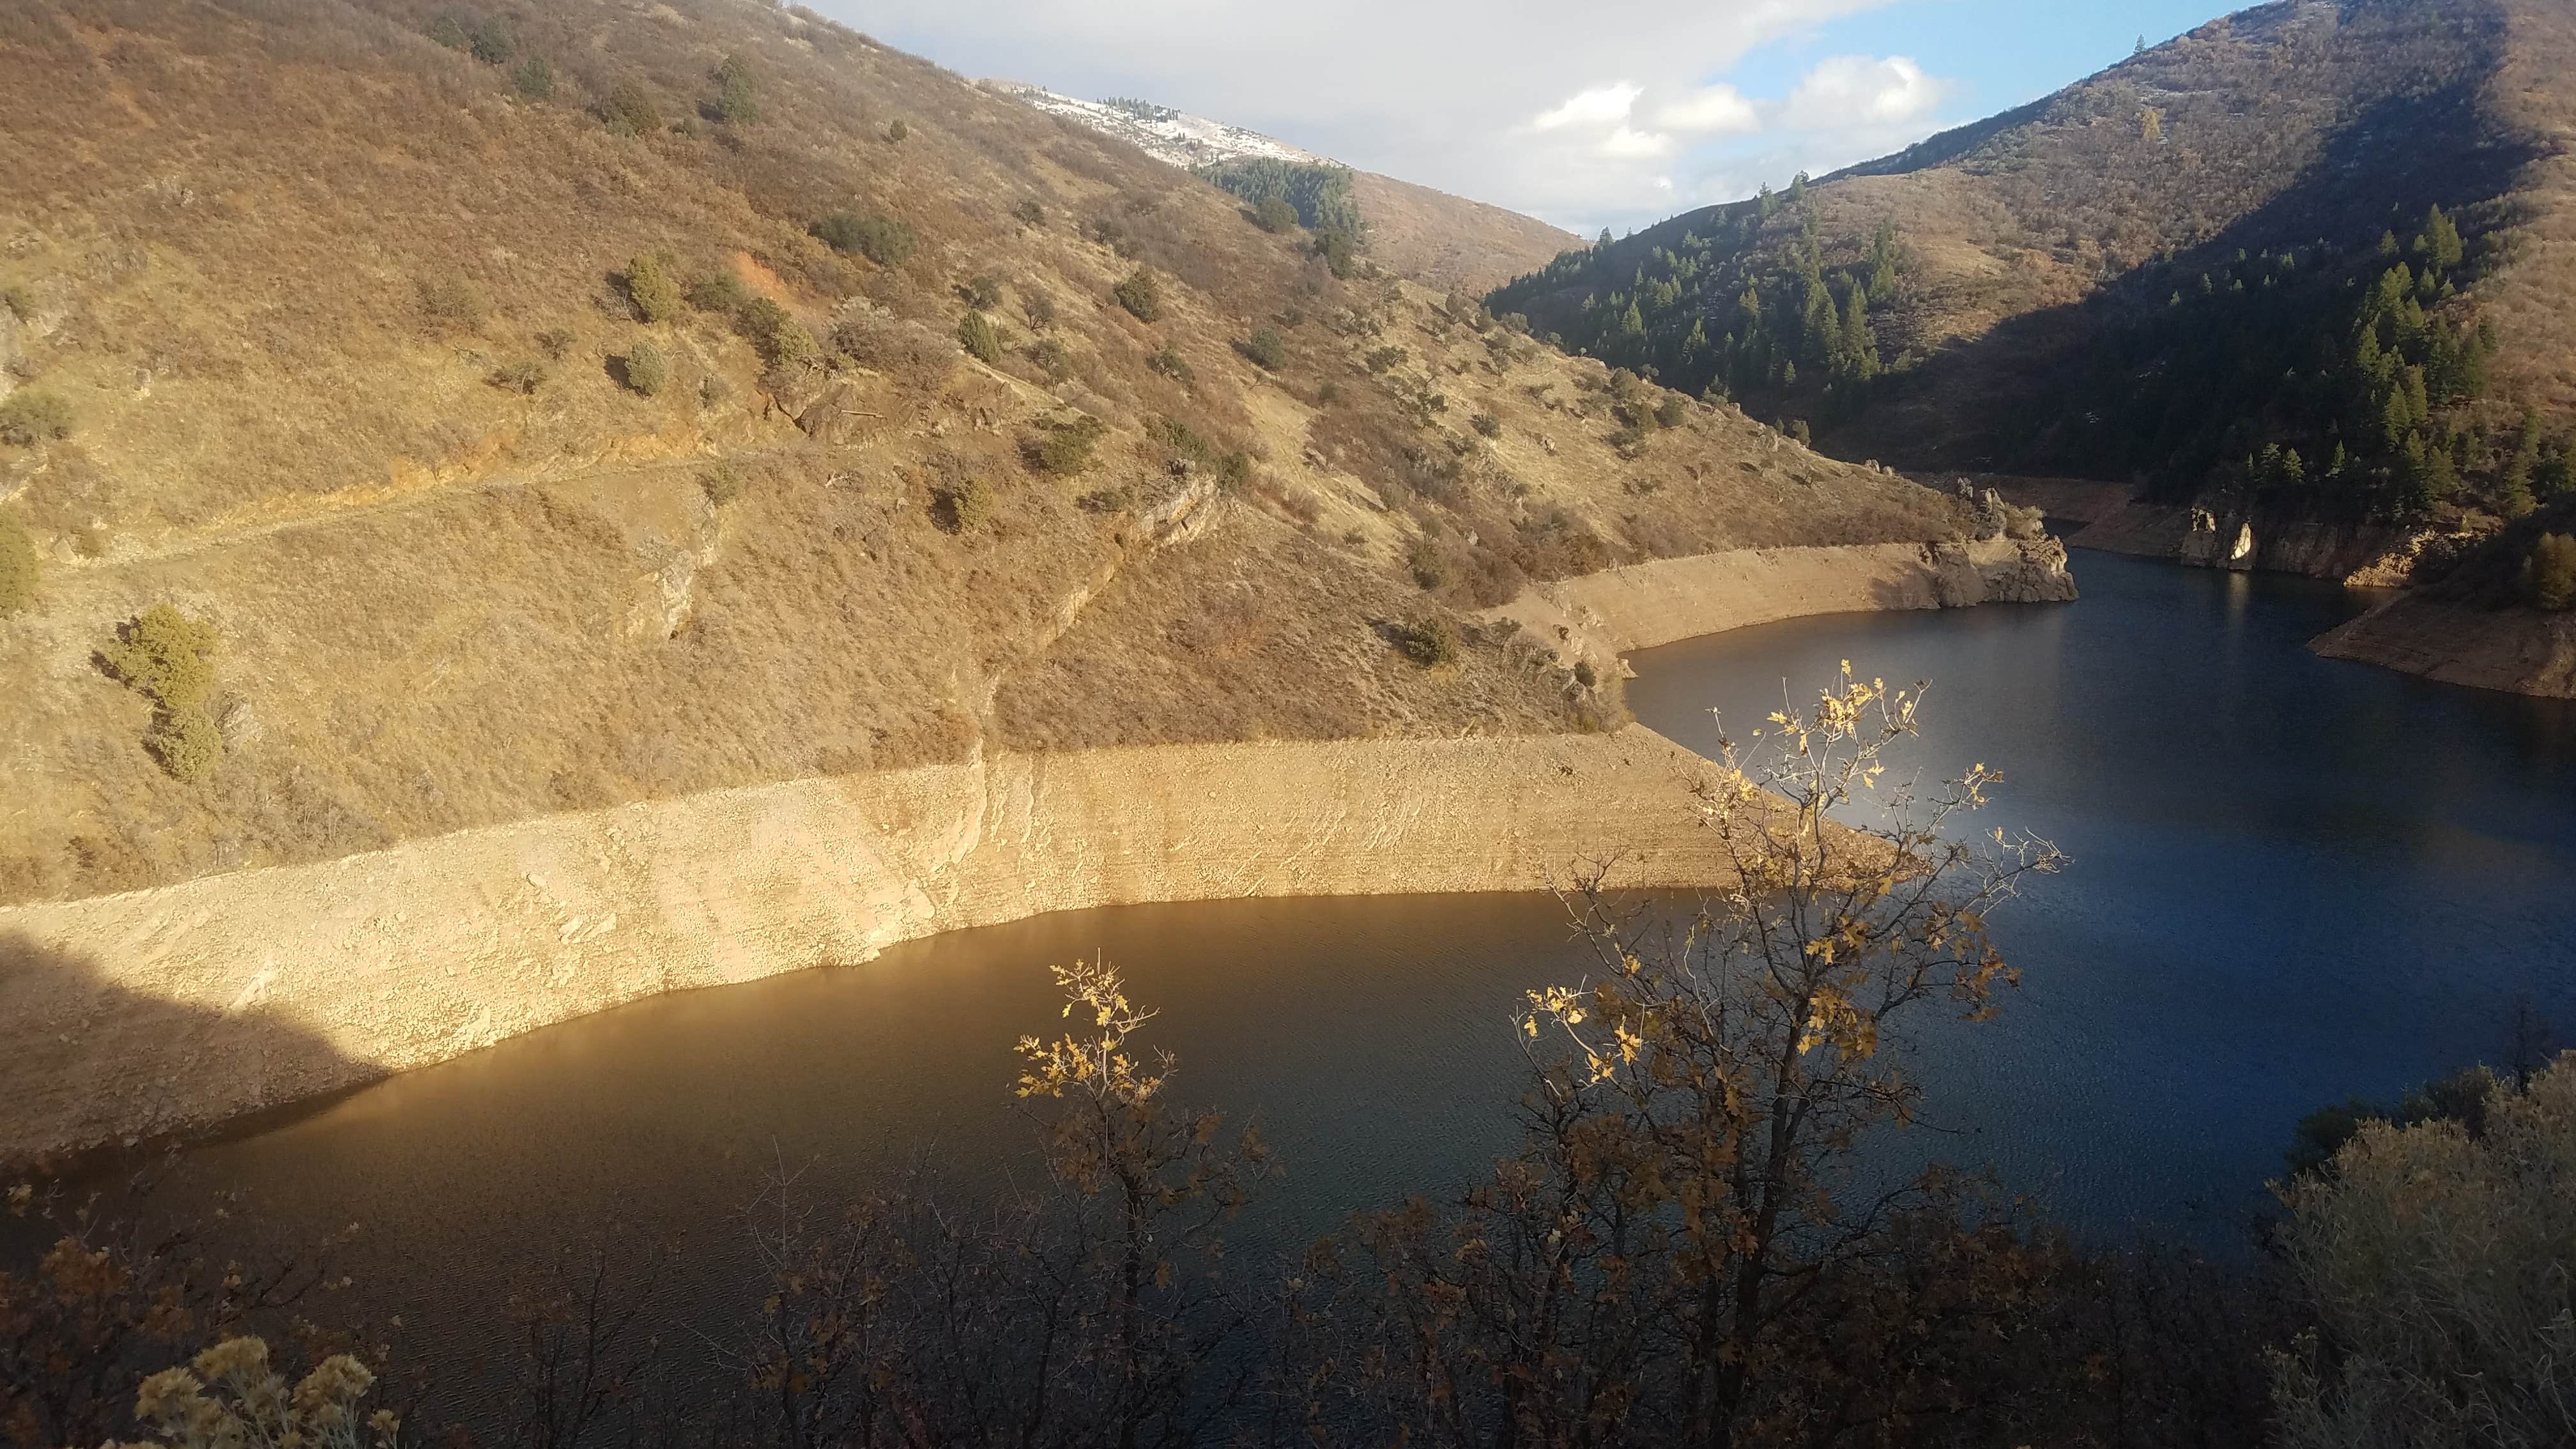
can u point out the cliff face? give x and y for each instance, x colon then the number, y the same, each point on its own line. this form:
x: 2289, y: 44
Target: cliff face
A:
x: 2359, y: 554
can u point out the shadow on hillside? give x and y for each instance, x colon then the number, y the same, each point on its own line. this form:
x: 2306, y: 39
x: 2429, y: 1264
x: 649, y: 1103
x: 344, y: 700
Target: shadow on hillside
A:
x: 85, y: 1060
x: 2003, y: 401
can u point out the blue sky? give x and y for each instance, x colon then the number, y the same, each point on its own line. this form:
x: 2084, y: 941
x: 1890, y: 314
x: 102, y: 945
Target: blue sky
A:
x: 1615, y: 113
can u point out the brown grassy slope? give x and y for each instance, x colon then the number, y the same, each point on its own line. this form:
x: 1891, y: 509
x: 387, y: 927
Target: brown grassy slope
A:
x: 2534, y: 299
x: 445, y: 603
x: 1449, y: 243
x: 2028, y: 235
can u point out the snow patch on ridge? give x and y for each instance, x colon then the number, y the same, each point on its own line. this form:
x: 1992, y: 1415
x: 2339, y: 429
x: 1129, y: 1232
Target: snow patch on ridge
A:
x: 1176, y: 138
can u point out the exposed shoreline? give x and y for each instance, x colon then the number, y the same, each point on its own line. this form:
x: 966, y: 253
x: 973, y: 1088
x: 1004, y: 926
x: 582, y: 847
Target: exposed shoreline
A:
x: 176, y: 1008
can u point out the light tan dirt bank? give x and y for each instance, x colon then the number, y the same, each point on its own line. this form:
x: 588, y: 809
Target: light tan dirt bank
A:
x: 180, y: 1006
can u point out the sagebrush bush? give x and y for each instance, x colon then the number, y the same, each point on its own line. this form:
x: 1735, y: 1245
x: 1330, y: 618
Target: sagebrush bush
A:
x: 494, y: 43
x: 555, y: 343
x: 1065, y: 449
x: 28, y: 417
x: 629, y: 110
x: 983, y: 291
x: 535, y: 78
x: 965, y: 507
x: 1431, y: 642
x: 187, y: 743
x: 647, y: 370
x: 2549, y: 573
x: 1486, y: 424
x: 165, y: 656
x: 1267, y: 349
x: 1170, y: 363
x: 722, y: 484
x: 449, y: 303
x: 1027, y: 212
x: 449, y: 31
x: 20, y: 566
x: 784, y: 342
x: 523, y: 377
x: 19, y: 302
x: 981, y: 339
x: 1051, y: 359
x: 1141, y: 295
x: 719, y: 291
x: 881, y: 239
x: 651, y: 287
x: 898, y: 133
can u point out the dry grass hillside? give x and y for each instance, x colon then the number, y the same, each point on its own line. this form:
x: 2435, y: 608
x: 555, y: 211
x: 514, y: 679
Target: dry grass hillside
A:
x: 2050, y: 261
x: 330, y: 335
x: 1449, y: 243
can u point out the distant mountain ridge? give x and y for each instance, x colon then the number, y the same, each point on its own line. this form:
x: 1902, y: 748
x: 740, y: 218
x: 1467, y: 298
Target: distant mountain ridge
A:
x: 1428, y: 236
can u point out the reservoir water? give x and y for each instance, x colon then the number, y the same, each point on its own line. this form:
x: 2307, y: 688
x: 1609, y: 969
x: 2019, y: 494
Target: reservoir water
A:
x: 2293, y: 880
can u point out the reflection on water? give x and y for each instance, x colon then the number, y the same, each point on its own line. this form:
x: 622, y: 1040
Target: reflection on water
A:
x: 2294, y: 880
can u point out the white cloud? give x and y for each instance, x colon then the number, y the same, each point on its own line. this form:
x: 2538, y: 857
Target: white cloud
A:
x: 1629, y: 142
x: 1503, y: 100
x: 1855, y: 92
x: 1600, y: 106
x: 1718, y: 110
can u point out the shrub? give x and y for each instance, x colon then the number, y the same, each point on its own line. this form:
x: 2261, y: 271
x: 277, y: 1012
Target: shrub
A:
x: 1065, y: 449
x: 881, y: 239
x: 449, y: 31
x: 1672, y: 412
x: 20, y: 566
x: 1051, y: 358
x: 629, y: 110
x: 966, y: 507
x: 554, y: 342
x: 165, y: 656
x: 650, y: 287
x: 1141, y: 295
x: 1039, y: 308
x: 28, y: 417
x: 2549, y: 573
x: 535, y: 78
x: 493, y: 42
x: 1385, y: 359
x: 983, y: 291
x: 1584, y: 674
x: 186, y: 742
x: 981, y: 339
x: 20, y: 302
x: 1267, y: 349
x: 889, y: 344
x: 722, y: 484
x: 719, y: 292
x: 1027, y: 212
x: 1430, y: 643
x: 898, y: 133
x: 1487, y: 424
x: 1170, y: 363
x: 1275, y: 214
x: 524, y: 376
x: 1428, y: 563
x: 646, y: 368
x: 1340, y: 254
x: 734, y: 103
x: 448, y: 303
x: 784, y: 342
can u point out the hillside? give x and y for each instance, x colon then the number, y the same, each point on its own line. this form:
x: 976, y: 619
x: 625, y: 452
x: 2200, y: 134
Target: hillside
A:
x: 596, y: 404
x: 1444, y: 242
x: 2302, y: 278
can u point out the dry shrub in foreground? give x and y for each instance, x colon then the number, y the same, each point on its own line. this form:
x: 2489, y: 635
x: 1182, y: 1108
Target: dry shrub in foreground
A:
x: 2441, y: 1258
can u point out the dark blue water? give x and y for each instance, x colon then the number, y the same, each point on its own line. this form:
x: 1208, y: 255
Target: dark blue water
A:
x: 2294, y: 879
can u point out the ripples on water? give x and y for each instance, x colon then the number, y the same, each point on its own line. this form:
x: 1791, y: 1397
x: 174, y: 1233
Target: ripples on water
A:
x: 2294, y: 880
